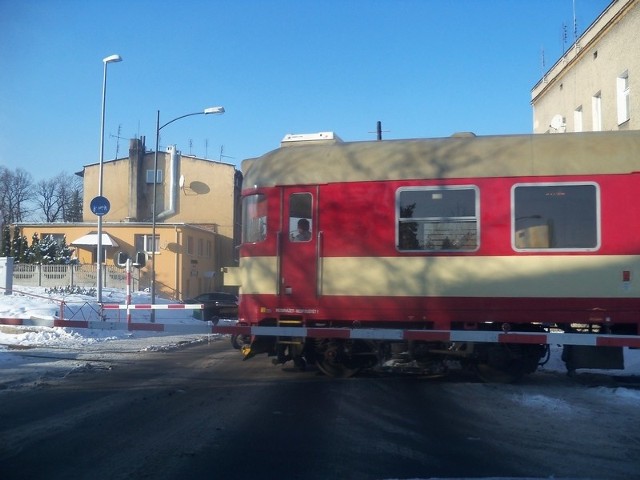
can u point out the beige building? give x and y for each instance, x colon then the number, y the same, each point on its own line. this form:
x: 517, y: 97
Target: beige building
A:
x: 196, y: 227
x: 590, y: 86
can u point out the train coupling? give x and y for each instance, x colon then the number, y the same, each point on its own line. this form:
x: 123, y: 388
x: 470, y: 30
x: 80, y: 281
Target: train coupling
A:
x: 246, y: 351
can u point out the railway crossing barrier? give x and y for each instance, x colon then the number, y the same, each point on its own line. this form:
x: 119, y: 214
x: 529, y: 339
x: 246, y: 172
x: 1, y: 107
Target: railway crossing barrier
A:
x: 447, y: 336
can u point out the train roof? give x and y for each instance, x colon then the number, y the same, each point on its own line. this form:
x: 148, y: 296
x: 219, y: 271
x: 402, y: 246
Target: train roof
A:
x: 466, y: 156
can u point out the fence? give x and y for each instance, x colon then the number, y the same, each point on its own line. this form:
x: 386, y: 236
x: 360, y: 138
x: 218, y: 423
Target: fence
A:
x: 72, y: 275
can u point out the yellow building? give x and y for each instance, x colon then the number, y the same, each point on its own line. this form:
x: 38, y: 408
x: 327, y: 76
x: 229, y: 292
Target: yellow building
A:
x: 196, y: 208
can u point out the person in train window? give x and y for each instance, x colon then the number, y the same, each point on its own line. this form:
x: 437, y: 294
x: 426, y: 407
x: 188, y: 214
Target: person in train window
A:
x: 303, y: 235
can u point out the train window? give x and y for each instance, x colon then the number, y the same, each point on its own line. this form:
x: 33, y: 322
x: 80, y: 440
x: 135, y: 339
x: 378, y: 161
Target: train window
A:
x: 558, y: 216
x: 437, y: 218
x: 300, y: 217
x: 254, y: 218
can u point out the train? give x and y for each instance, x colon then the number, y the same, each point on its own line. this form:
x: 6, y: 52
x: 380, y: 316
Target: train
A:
x: 420, y: 255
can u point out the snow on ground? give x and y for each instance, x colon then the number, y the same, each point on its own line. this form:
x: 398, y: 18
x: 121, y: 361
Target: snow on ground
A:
x: 30, y: 353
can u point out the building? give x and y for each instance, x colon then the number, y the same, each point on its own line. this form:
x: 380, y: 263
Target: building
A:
x: 589, y: 87
x: 196, y: 218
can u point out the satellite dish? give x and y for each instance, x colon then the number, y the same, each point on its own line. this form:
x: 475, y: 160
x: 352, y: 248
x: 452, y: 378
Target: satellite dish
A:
x: 181, y: 182
x: 557, y: 122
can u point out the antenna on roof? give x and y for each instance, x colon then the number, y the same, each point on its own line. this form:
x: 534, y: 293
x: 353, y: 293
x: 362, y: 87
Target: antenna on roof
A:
x: 575, y: 26
x: 575, y: 22
x: 221, y: 155
x: 118, y: 139
x: 379, y: 130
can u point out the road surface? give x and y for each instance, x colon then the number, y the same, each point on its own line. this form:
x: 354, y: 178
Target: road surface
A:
x: 201, y: 412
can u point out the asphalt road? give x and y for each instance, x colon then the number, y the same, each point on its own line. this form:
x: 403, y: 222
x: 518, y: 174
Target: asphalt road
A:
x: 201, y: 412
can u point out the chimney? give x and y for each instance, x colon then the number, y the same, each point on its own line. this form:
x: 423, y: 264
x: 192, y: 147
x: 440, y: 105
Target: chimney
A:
x: 136, y: 157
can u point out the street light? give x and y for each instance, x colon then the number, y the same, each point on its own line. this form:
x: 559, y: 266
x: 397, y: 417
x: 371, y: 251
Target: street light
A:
x: 107, y: 60
x: 206, y: 111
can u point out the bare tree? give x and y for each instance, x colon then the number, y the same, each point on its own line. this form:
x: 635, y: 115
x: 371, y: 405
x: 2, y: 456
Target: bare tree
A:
x: 71, y: 186
x: 48, y: 200
x: 57, y: 198
x: 3, y: 204
x: 16, y: 190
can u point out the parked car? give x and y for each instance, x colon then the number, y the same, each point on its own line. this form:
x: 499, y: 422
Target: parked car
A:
x: 216, y: 305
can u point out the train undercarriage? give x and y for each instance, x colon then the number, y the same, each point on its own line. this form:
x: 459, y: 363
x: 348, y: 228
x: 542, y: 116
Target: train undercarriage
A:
x: 340, y: 358
x: 492, y: 361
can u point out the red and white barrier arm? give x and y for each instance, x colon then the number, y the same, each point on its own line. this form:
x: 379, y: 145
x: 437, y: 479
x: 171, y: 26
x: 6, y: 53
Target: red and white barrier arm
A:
x: 539, y: 338
x: 149, y: 306
x: 536, y: 338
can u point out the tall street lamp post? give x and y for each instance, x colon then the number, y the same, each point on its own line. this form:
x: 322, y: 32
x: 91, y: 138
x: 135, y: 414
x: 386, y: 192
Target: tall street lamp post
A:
x: 206, y: 111
x: 106, y: 61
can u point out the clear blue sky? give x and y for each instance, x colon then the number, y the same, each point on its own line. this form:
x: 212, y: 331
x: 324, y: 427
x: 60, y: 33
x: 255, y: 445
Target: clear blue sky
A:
x: 425, y: 68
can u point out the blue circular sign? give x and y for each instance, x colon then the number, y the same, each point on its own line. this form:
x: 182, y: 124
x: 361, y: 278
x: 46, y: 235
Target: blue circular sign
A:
x: 100, y: 206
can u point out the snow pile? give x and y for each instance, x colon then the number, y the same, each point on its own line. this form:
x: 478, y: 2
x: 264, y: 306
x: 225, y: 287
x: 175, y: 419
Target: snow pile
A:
x: 30, y: 353
x: 48, y: 336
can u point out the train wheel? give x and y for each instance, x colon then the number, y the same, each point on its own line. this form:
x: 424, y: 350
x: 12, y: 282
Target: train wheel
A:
x: 333, y: 361
x: 501, y: 365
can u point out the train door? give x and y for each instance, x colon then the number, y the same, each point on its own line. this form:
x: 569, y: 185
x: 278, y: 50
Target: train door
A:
x: 299, y: 248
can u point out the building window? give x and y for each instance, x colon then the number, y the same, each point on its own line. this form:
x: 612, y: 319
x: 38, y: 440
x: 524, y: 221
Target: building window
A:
x: 577, y: 119
x: 145, y: 243
x: 622, y: 92
x: 190, y: 245
x: 555, y: 216
x: 437, y: 218
x: 596, y: 105
x: 201, y: 247
x: 209, y: 249
x: 150, y: 176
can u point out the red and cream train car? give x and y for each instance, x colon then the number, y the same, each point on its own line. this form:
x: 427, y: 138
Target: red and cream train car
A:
x: 413, y: 253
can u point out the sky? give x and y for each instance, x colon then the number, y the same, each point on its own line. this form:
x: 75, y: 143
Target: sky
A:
x: 424, y: 68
